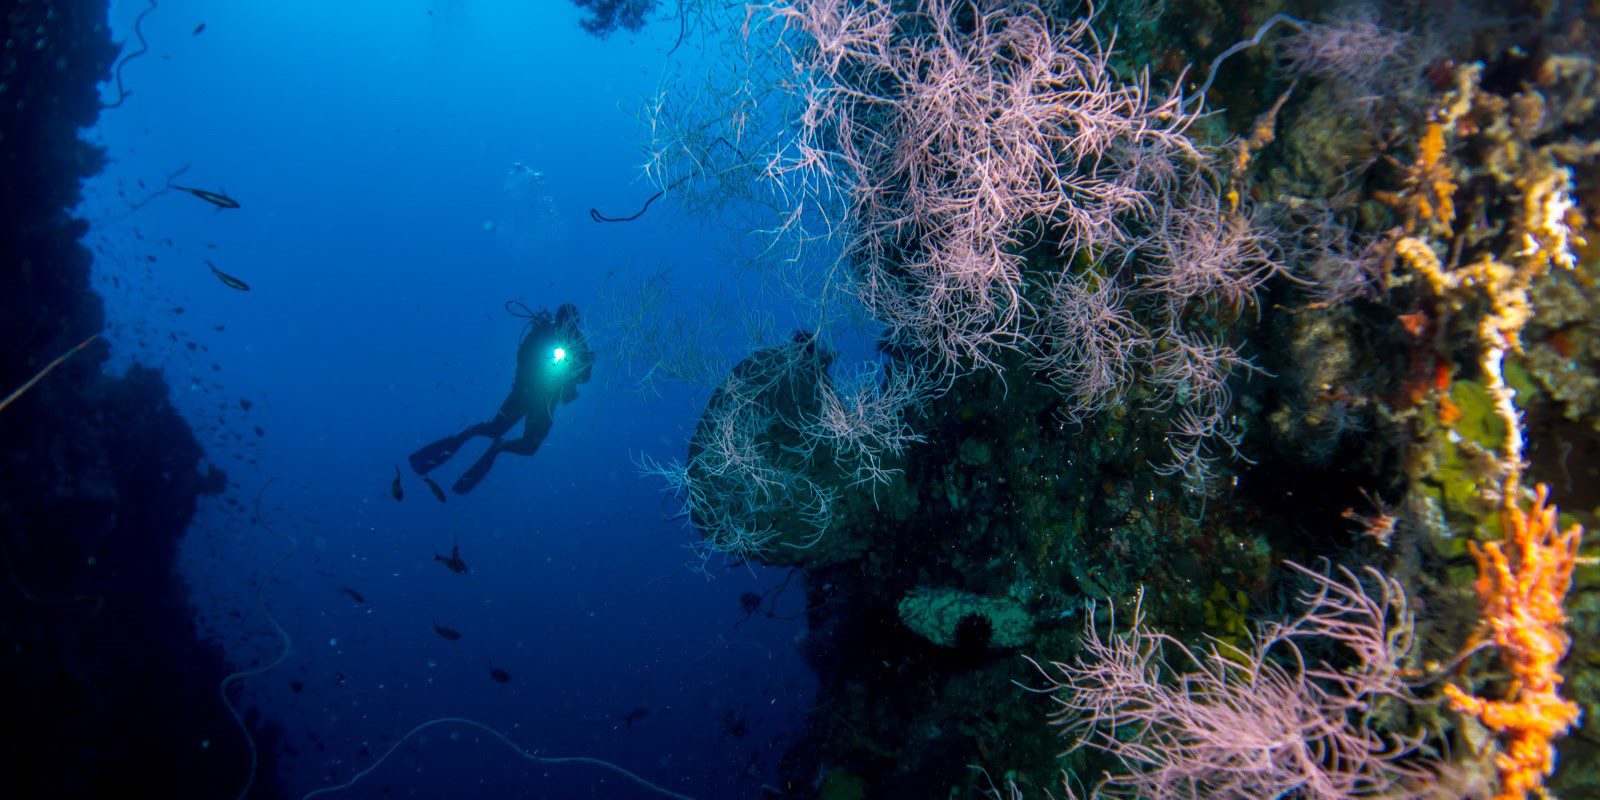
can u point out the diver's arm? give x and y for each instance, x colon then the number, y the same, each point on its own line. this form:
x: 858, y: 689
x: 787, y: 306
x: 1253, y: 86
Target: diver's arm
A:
x: 584, y: 358
x: 582, y: 355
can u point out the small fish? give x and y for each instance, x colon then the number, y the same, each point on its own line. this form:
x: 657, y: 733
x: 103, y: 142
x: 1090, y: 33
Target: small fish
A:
x: 449, y: 633
x: 500, y: 675
x: 228, y: 280
x: 354, y: 595
x: 454, y: 562
x: 395, y: 488
x: 638, y: 713
x: 438, y: 494
x: 199, y: 29
x: 214, y: 198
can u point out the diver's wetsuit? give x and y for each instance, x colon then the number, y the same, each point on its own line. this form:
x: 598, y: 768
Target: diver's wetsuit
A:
x: 552, y: 360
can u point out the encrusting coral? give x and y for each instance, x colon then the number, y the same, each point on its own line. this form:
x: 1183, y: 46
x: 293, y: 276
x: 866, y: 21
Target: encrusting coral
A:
x: 1523, y: 579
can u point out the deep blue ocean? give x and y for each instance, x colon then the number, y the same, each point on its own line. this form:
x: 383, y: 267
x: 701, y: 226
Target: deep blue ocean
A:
x: 383, y: 154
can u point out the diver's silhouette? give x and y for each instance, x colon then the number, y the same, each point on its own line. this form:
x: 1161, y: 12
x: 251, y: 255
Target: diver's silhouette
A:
x: 552, y: 360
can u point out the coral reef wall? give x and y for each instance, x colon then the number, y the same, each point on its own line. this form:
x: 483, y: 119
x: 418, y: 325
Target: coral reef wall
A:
x: 1356, y: 337
x: 107, y: 688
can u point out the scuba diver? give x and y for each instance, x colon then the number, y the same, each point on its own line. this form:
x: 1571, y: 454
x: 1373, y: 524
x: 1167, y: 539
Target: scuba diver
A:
x: 552, y: 360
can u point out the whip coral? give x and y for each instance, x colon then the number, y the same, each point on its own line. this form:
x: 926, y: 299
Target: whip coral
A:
x: 1522, y: 582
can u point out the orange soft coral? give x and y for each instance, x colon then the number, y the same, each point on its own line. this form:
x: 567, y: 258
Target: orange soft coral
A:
x: 1522, y: 582
x: 1433, y: 186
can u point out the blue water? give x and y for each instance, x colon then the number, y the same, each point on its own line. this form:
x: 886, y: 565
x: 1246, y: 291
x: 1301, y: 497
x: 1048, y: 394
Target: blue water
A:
x: 371, y: 145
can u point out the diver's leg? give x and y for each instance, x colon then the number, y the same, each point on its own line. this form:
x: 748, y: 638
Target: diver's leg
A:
x: 431, y: 455
x: 508, y: 415
x: 533, y: 433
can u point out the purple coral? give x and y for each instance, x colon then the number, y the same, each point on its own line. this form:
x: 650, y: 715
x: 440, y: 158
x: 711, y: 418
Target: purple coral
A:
x: 954, y: 141
x: 1199, y: 250
x: 1257, y: 720
x: 1354, y: 51
x: 1089, y: 342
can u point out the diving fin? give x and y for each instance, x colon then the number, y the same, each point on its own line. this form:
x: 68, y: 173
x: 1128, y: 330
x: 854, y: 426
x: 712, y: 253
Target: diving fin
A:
x: 431, y: 455
x: 474, y: 474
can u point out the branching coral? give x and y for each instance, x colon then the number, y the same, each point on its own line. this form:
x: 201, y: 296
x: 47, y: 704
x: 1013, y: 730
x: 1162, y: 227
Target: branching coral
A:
x: 998, y: 197
x: 1225, y: 723
x: 1429, y: 195
x: 1091, y: 345
x: 647, y: 333
x: 751, y: 485
x: 1354, y: 50
x: 957, y: 134
x: 971, y: 174
x: 863, y: 424
x: 1190, y: 375
x: 1200, y: 251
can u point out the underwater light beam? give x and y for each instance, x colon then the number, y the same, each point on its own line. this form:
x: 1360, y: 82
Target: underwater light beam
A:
x: 434, y: 723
